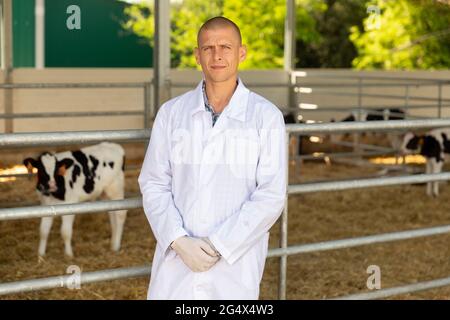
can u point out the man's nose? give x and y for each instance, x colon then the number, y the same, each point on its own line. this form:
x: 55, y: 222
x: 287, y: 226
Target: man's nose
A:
x: 217, y: 54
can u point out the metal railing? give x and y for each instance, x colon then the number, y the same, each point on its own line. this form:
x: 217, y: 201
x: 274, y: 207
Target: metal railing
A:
x: 148, y: 111
x: 18, y: 140
x: 354, y: 88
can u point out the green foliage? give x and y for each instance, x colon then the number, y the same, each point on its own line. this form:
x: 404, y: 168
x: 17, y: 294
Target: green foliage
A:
x: 140, y: 20
x: 330, y: 47
x: 262, y: 27
x: 187, y: 17
x: 261, y: 23
x: 412, y: 34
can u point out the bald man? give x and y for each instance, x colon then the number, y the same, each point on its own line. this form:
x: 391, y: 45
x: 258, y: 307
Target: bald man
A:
x: 214, y: 178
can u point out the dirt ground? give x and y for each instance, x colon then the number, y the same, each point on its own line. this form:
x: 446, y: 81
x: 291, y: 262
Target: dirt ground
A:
x: 312, y: 218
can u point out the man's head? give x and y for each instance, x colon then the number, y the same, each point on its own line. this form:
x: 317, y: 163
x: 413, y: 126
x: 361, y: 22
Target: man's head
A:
x: 220, y: 49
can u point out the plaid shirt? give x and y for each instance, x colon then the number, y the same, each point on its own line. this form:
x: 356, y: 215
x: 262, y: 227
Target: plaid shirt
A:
x: 208, y: 107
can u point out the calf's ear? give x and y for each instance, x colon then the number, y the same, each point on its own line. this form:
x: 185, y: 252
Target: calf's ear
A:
x: 421, y: 140
x: 63, y: 165
x: 30, y: 163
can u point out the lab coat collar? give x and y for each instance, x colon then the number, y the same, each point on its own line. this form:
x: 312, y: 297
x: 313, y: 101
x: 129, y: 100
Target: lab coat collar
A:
x: 236, y: 108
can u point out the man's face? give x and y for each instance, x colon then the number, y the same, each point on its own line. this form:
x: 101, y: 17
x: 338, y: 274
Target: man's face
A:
x: 219, y: 53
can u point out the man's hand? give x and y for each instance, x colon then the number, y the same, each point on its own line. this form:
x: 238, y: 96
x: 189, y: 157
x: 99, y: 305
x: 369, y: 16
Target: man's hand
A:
x: 196, y: 253
x: 206, y: 239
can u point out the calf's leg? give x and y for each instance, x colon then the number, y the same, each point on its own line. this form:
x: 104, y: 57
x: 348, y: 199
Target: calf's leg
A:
x: 115, y: 191
x: 46, y: 225
x: 66, y: 233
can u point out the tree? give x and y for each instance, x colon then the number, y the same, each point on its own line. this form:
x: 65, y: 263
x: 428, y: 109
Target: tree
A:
x: 261, y: 23
x: 412, y: 34
x: 327, y: 44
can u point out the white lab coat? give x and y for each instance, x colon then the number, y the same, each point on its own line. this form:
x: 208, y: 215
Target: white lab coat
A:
x: 226, y: 182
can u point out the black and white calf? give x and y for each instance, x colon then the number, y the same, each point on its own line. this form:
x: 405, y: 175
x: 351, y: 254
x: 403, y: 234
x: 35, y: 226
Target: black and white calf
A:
x: 375, y: 115
x: 435, y: 147
x: 78, y: 176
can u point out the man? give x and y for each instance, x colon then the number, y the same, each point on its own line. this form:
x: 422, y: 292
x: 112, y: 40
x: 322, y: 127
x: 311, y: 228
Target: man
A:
x: 214, y: 179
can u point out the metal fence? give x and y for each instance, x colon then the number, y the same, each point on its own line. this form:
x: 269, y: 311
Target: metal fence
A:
x: 355, y: 85
x: 356, y: 89
x: 147, y: 112
x: 33, y: 139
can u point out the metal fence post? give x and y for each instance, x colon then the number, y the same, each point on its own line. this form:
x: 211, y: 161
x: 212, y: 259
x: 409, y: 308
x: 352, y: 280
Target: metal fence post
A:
x: 358, y: 117
x: 440, y: 99
x: 147, y: 109
x: 406, y: 101
x: 406, y: 117
x: 284, y: 232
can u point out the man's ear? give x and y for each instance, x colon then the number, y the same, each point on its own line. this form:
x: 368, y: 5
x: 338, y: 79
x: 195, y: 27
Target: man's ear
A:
x: 242, y: 53
x: 30, y: 163
x: 63, y: 165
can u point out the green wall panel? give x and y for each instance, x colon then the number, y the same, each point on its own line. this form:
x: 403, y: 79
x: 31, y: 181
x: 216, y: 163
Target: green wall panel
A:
x: 23, y: 33
x: 101, y: 41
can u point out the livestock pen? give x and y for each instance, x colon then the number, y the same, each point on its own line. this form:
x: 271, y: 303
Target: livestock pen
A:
x: 282, y: 251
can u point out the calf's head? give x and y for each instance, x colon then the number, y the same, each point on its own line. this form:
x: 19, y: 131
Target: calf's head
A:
x: 412, y: 143
x: 51, y: 171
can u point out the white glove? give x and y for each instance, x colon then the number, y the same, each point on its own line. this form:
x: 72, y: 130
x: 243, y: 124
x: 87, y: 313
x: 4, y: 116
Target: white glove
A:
x: 196, y: 253
x: 212, y: 246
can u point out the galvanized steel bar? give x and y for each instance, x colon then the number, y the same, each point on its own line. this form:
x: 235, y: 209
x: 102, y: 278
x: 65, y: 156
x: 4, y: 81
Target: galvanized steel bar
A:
x: 320, y: 74
x: 366, y: 183
x: 358, y: 241
x: 247, y: 84
x: 83, y: 137
x: 284, y: 232
x: 370, y: 84
x: 67, y: 281
x: 29, y: 175
x: 371, y: 108
x: 381, y: 125
x: 410, y: 288
x: 72, y: 85
x: 364, y: 146
x: 374, y: 95
x: 147, y: 99
x: 342, y: 155
x: 17, y: 175
x: 68, y: 209
x: 440, y: 100
x: 289, y: 51
x: 32, y: 139
x: 69, y: 114
x: 161, y: 52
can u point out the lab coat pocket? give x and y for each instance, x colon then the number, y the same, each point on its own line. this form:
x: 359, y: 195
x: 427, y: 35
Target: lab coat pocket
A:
x: 253, y: 263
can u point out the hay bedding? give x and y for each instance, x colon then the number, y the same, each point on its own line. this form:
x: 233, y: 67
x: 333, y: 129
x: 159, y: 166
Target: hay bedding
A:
x: 312, y: 218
